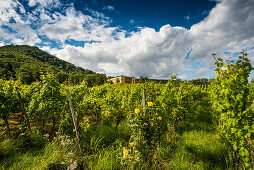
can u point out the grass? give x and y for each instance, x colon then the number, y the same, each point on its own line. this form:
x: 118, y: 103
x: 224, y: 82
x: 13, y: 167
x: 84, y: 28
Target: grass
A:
x: 198, y: 150
x: 198, y: 145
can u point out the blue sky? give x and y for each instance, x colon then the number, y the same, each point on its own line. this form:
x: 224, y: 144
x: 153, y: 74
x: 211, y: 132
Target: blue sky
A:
x: 154, y: 38
x: 150, y: 13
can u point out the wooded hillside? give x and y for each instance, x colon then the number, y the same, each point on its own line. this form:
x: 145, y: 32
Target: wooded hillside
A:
x: 27, y: 63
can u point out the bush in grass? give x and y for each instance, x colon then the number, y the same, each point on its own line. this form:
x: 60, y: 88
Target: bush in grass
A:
x: 98, y: 136
x: 7, y: 148
x: 27, y: 140
x: 147, y: 129
x: 60, y: 153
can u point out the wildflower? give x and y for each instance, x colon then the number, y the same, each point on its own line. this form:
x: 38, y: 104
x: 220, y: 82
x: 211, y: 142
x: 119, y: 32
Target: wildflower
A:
x: 137, y: 111
x: 63, y: 143
x: 150, y: 104
x: 132, y: 144
x: 249, y: 140
x: 159, y: 118
x: 125, y: 153
x: 73, y: 165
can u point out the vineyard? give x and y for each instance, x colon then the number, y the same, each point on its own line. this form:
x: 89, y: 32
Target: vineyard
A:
x: 130, y: 126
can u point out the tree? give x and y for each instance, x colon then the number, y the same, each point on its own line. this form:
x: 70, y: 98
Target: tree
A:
x: 95, y: 79
x: 143, y: 79
x: 62, y: 77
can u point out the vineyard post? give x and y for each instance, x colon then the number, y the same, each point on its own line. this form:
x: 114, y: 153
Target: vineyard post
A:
x: 73, y: 118
x: 144, y: 99
x: 23, y: 109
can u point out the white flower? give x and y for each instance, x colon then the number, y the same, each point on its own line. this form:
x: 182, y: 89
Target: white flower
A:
x: 73, y: 165
x: 63, y: 143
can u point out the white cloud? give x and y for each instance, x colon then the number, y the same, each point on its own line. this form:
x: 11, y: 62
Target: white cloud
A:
x: 8, y: 10
x: 52, y: 51
x: 18, y: 31
x: 109, y: 8
x: 44, y: 3
x: 2, y: 43
x: 70, y: 24
x: 182, y: 77
x: 26, y: 33
x: 96, y: 14
x: 132, y: 21
x: 201, y: 72
x: 228, y: 27
x: 145, y: 53
x: 77, y: 26
x: 111, y: 68
x: 187, y: 17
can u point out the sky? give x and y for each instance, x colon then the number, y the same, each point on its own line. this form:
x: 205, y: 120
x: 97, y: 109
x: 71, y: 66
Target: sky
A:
x: 153, y: 38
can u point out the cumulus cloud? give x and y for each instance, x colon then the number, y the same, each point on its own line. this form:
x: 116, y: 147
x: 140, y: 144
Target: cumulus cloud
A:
x: 228, y: 27
x: 145, y: 53
x: 77, y: 26
x: 14, y: 26
x: 8, y: 10
x: 25, y: 27
x: 44, y: 3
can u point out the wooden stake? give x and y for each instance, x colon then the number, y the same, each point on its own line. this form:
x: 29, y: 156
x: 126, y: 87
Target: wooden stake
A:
x: 23, y: 110
x: 73, y: 117
x: 144, y: 99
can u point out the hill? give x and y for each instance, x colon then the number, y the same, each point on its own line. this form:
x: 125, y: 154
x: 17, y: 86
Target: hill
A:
x: 27, y: 63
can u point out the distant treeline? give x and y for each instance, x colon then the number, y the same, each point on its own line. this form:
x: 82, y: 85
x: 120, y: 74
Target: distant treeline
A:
x: 202, y: 81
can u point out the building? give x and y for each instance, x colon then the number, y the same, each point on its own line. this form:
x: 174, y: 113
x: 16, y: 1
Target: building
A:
x: 122, y: 79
